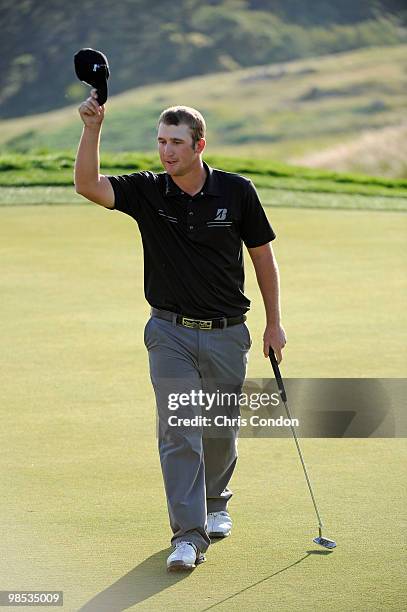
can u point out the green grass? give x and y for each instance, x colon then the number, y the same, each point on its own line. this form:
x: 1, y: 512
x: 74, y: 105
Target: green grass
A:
x: 284, y: 196
x: 20, y: 169
x: 83, y: 507
x: 48, y: 179
x: 279, y: 111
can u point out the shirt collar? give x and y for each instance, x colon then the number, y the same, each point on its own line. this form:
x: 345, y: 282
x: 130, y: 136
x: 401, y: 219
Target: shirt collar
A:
x: 210, y: 187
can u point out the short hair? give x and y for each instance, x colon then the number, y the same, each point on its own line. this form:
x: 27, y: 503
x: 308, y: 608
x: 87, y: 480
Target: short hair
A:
x: 185, y: 114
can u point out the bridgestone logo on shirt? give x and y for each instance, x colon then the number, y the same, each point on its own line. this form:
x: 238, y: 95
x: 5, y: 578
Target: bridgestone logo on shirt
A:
x: 221, y: 214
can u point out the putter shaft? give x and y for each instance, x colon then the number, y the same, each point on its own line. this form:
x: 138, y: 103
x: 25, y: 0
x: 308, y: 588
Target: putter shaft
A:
x: 320, y: 523
x: 326, y: 542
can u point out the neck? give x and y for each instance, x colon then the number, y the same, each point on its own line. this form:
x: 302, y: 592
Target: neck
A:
x: 193, y: 181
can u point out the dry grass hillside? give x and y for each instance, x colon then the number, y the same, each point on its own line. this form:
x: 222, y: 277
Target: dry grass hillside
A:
x: 380, y: 152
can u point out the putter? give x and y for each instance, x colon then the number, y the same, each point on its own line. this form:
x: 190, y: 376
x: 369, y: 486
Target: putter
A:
x: 321, y: 540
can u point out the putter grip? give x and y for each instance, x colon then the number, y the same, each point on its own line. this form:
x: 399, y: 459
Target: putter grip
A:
x: 277, y: 374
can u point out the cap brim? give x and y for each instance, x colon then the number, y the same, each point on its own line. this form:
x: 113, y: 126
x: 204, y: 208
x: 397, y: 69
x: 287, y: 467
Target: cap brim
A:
x: 102, y: 93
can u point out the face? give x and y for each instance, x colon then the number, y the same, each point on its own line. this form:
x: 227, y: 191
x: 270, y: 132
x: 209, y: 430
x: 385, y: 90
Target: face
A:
x: 177, y: 153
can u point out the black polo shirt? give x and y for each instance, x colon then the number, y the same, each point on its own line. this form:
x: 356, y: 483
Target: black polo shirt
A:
x: 193, y: 254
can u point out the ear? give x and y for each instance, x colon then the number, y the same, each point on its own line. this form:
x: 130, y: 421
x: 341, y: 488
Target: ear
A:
x: 200, y: 145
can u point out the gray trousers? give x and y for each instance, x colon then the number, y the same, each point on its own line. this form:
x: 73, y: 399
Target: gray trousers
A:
x: 197, y: 461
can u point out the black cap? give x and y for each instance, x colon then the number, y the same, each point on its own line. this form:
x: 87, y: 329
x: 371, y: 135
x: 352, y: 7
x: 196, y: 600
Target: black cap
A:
x: 92, y: 68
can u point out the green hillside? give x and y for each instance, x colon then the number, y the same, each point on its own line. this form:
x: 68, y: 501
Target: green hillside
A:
x: 279, y: 111
x: 151, y: 42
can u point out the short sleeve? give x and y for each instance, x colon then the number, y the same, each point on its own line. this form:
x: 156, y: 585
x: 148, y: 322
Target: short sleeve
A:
x: 255, y: 227
x: 128, y: 190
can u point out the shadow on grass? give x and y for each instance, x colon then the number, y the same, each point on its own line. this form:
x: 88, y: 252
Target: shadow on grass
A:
x: 150, y: 578
x: 308, y: 554
x: 142, y: 582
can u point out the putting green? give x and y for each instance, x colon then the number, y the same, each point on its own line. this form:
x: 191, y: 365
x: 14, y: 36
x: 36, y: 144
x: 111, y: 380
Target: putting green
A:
x: 83, y: 508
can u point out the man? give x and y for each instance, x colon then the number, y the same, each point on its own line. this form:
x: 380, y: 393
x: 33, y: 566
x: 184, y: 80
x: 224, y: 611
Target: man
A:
x: 193, y: 220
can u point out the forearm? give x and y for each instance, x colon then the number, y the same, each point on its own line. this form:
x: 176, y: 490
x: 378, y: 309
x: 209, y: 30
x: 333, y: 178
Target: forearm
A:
x: 87, y: 163
x: 268, y: 279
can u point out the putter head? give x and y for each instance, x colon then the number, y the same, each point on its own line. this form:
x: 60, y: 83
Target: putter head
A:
x: 325, y: 542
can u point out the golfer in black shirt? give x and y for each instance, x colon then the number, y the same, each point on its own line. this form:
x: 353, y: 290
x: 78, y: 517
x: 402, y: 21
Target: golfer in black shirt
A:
x: 193, y: 221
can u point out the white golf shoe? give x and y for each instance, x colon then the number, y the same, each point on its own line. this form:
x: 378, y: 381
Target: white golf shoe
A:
x: 186, y: 556
x: 219, y: 524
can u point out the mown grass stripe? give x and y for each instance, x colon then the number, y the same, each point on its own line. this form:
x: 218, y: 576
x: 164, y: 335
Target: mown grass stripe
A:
x: 271, y: 198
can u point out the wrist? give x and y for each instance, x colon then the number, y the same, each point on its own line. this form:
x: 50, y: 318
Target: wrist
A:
x: 273, y: 323
x: 95, y: 129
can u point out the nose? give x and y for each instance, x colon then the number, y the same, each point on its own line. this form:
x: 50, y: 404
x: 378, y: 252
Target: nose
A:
x: 168, y: 150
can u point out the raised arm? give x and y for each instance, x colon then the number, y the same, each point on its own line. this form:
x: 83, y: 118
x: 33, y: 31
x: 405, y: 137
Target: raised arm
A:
x: 88, y: 180
x: 268, y: 280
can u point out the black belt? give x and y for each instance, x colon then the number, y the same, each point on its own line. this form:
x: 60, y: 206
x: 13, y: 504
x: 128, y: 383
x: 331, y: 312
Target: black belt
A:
x: 192, y: 323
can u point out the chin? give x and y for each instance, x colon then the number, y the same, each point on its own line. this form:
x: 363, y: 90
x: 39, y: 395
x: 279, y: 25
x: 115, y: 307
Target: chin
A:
x: 168, y: 169
x: 175, y: 172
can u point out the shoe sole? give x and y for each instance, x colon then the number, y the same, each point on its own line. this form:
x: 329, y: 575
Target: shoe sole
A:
x: 180, y: 566
x: 218, y: 534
